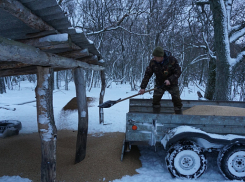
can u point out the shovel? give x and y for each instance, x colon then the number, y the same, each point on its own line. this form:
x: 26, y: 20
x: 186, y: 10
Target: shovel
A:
x: 110, y: 103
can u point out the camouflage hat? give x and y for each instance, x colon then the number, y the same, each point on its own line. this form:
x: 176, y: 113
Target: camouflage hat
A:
x: 158, y: 52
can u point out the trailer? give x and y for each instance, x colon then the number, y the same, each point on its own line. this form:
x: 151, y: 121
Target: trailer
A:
x: 188, y: 137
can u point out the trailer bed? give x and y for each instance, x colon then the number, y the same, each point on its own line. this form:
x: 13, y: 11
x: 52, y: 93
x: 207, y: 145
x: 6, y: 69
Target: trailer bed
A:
x: 151, y: 127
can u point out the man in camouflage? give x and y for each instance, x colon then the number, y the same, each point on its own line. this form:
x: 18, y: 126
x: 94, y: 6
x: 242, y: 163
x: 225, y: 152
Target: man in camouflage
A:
x: 167, y: 72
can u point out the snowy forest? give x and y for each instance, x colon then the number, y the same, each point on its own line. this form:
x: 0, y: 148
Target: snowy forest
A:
x: 207, y: 38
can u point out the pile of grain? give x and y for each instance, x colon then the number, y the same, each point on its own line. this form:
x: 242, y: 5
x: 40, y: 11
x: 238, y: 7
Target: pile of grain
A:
x: 215, y: 110
x: 21, y: 155
x: 72, y: 104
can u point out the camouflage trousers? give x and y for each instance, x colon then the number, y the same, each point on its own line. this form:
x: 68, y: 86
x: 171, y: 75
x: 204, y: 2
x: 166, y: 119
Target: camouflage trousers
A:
x: 175, y: 93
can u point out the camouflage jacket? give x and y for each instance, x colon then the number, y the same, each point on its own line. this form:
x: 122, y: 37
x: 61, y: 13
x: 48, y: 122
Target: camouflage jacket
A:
x: 168, y: 69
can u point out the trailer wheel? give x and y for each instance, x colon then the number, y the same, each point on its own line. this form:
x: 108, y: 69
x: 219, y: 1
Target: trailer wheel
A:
x: 231, y: 162
x: 186, y: 160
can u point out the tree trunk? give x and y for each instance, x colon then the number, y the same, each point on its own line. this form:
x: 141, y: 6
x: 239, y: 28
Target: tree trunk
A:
x: 56, y: 83
x: 2, y: 86
x: 91, y: 81
x: 8, y: 80
x: 102, y: 93
x: 210, y: 88
x: 66, y: 79
x: 82, y: 114
x: 222, y: 48
x: 46, y: 125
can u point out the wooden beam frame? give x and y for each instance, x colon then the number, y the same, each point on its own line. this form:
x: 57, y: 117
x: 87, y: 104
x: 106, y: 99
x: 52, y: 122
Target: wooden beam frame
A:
x: 75, y: 54
x: 51, y: 42
x: 18, y: 71
x: 17, y: 9
x: 90, y: 59
x: 7, y: 65
x: 41, y: 34
x: 19, y: 52
x: 46, y: 125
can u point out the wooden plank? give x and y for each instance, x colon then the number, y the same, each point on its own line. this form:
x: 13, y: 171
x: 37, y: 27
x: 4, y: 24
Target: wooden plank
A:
x: 46, y: 125
x: 75, y: 54
x: 7, y: 65
x: 47, y: 40
x: 41, y: 34
x: 19, y: 52
x: 90, y: 59
x: 17, y: 9
x: 18, y: 71
x: 82, y: 115
x: 52, y: 43
x: 22, y: 71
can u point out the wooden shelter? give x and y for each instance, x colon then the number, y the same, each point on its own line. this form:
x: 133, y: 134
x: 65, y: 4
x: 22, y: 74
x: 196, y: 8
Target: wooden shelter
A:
x: 36, y: 38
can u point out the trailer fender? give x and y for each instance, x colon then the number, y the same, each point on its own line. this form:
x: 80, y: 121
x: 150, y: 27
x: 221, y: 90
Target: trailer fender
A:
x: 188, y: 132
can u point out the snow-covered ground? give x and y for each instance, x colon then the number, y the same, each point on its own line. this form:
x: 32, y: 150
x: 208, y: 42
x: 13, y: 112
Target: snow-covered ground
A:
x: 153, y: 165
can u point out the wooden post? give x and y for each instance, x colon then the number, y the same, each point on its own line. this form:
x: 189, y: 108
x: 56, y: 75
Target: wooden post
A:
x: 82, y: 114
x: 46, y: 125
x: 102, y: 93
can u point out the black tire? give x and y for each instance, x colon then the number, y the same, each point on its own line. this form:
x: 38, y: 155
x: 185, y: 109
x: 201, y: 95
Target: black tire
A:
x: 186, y: 160
x: 9, y: 128
x: 231, y: 162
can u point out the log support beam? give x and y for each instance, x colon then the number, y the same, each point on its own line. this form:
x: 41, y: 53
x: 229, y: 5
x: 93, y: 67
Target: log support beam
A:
x: 46, y: 125
x: 82, y: 115
x: 52, y: 42
x: 75, y: 54
x: 19, y: 52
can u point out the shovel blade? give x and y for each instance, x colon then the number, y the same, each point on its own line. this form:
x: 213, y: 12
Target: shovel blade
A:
x: 107, y: 104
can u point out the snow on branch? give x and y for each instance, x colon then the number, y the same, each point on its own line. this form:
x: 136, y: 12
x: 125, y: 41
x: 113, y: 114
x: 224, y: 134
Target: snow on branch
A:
x: 199, y: 58
x: 237, y: 32
x: 114, y: 26
x: 201, y: 3
x: 197, y: 46
x: 239, y: 57
x: 211, y: 53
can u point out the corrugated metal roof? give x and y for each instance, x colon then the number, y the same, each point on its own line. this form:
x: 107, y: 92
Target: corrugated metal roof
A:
x: 50, y: 12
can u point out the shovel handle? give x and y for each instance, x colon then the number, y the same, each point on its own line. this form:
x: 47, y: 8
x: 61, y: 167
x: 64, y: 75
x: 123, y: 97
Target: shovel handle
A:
x: 135, y: 95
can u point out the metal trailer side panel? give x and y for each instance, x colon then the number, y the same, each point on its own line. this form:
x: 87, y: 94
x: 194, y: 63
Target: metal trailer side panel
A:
x: 153, y: 127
